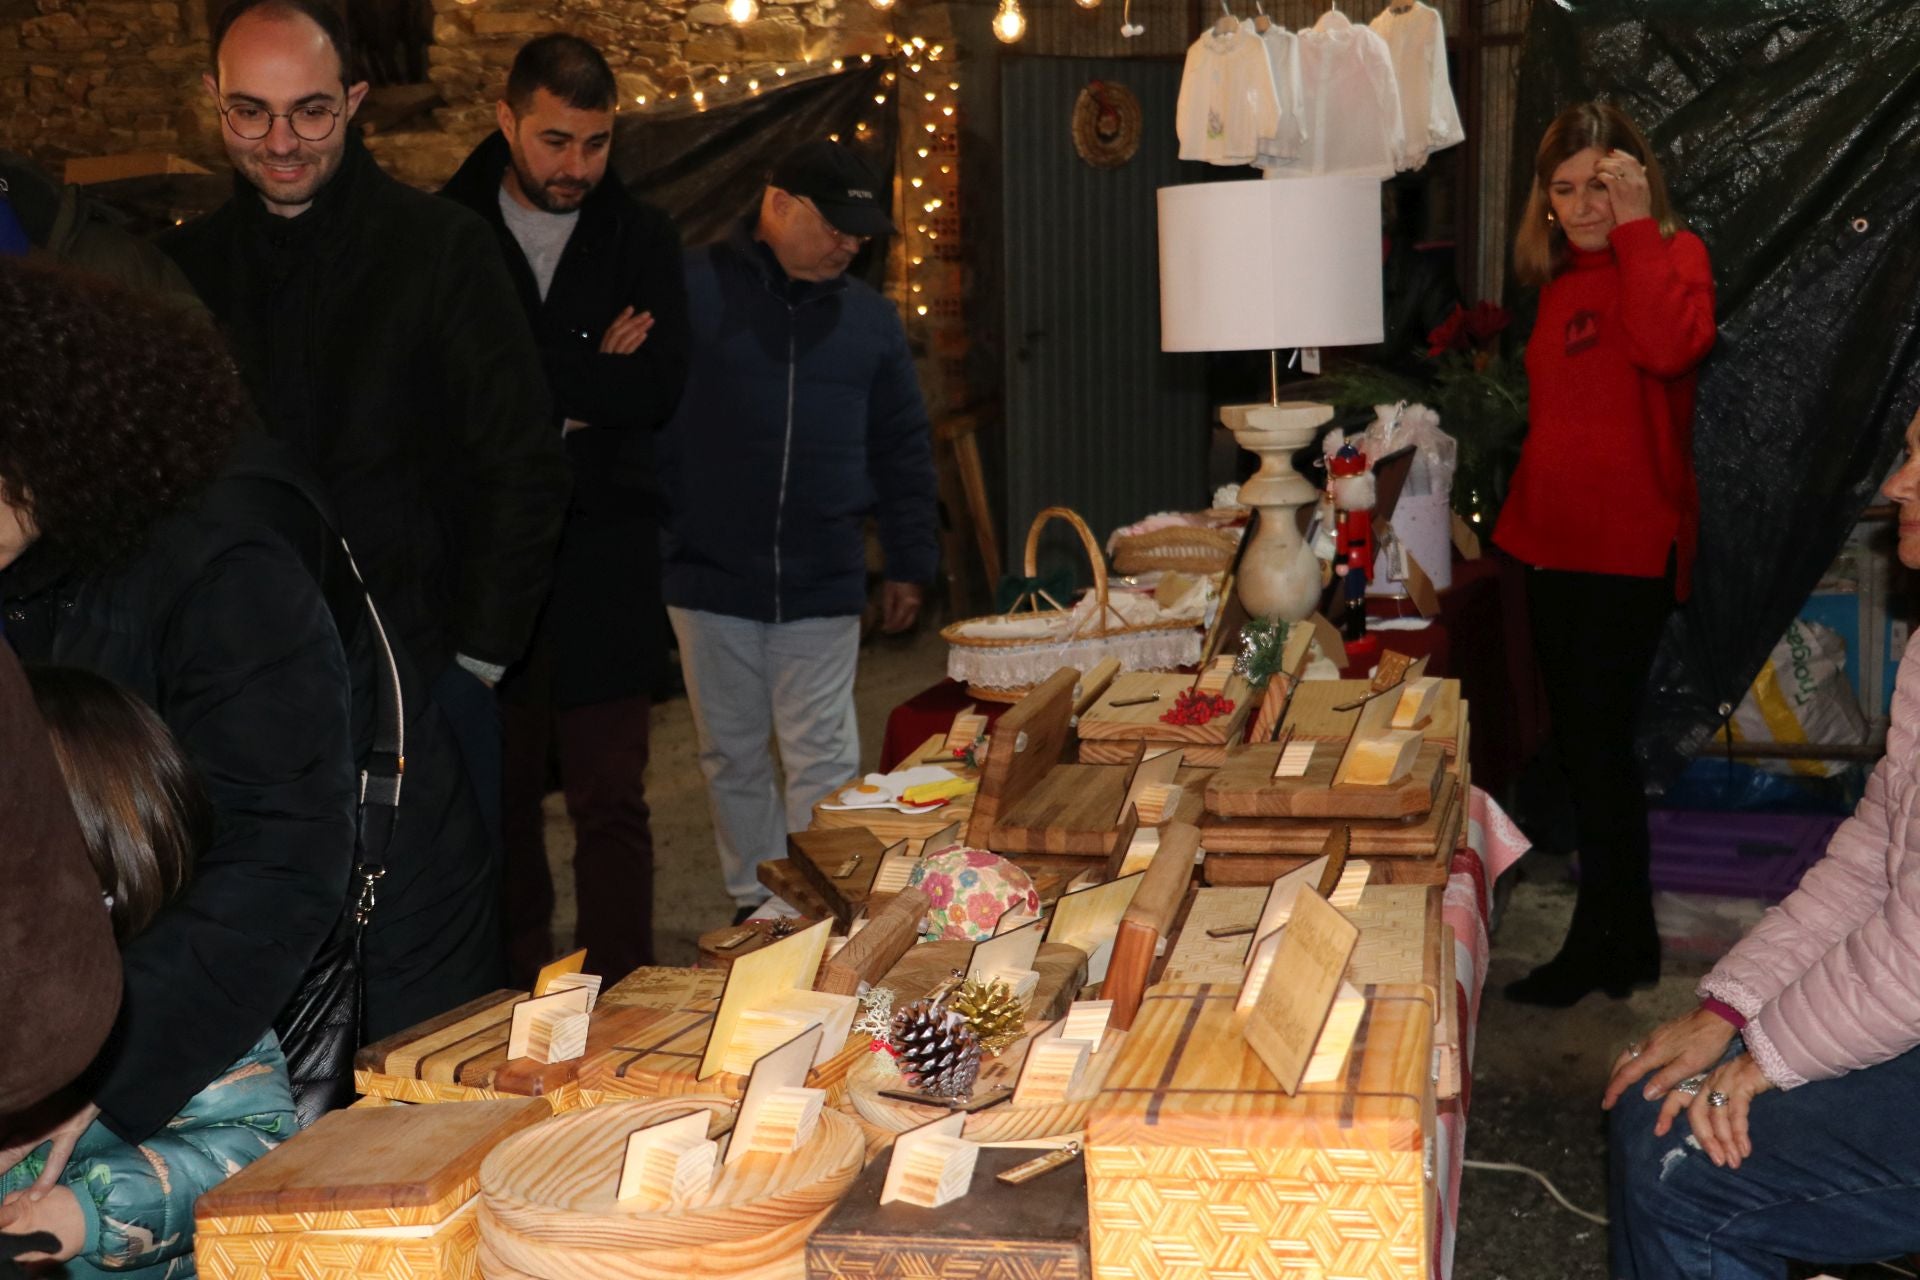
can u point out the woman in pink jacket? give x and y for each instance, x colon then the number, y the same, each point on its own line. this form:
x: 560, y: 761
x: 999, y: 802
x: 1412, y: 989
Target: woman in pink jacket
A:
x: 1799, y: 1072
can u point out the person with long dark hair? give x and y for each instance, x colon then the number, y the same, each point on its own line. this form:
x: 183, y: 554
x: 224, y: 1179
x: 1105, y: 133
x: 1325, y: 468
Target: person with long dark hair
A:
x: 145, y: 819
x: 1603, y: 508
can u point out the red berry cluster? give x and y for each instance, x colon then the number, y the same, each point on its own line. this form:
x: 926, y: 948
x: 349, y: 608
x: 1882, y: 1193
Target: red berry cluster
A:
x: 1195, y: 707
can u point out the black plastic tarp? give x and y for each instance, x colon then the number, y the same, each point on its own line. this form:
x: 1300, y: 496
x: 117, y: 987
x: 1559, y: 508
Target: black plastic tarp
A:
x: 707, y: 168
x: 1791, y: 136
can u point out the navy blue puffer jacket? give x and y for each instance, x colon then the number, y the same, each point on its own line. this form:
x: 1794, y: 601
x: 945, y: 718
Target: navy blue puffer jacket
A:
x: 802, y: 416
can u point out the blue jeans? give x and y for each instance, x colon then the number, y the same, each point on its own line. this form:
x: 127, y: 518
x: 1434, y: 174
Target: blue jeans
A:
x: 748, y: 681
x: 1834, y: 1178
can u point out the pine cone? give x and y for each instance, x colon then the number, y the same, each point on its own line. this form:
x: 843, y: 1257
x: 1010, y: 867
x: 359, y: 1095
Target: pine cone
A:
x: 936, y: 1049
x: 997, y: 1016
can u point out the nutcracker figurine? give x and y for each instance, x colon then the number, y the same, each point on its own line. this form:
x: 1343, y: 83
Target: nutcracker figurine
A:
x: 1351, y: 485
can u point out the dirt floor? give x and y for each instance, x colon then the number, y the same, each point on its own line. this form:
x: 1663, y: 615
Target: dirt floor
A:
x: 1537, y: 1075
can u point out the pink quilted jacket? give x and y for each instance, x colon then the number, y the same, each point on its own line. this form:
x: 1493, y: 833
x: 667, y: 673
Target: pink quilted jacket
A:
x: 1829, y: 980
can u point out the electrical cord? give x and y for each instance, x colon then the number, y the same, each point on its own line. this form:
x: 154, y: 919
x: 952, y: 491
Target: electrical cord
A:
x: 1493, y: 1167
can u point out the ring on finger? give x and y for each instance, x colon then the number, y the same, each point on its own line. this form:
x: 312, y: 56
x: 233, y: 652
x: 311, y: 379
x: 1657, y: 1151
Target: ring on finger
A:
x: 1717, y: 1099
x: 1633, y: 1050
x: 1691, y: 1085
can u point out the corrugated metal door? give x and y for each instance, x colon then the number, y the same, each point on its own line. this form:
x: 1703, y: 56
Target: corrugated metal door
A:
x: 1097, y: 417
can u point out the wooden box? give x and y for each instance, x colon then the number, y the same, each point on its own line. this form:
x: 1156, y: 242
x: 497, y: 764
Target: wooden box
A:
x: 382, y: 1192
x: 1037, y: 1231
x: 1279, y: 845
x: 1107, y: 732
x: 1199, y: 1165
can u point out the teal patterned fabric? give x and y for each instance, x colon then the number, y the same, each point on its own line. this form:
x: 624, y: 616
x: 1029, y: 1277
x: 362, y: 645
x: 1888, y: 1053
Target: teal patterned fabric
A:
x: 138, y: 1200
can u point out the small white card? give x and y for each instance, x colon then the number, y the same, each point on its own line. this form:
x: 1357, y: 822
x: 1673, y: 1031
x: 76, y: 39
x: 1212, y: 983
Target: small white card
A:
x: 679, y: 1135
x: 1012, y: 952
x: 948, y: 1126
x: 1295, y: 758
x: 784, y: 1068
x: 543, y: 1009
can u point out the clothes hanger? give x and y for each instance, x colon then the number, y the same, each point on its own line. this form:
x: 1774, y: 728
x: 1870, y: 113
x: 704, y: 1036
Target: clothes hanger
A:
x: 1226, y: 24
x: 1261, y: 21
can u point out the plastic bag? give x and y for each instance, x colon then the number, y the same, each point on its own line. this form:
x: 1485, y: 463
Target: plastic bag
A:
x: 1802, y: 695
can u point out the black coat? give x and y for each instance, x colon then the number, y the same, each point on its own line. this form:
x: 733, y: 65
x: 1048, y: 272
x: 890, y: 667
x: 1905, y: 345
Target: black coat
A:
x: 221, y: 629
x: 378, y: 335
x: 433, y: 941
x: 601, y: 636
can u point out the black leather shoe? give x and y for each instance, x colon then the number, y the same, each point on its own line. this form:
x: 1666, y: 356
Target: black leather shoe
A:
x: 1563, y: 982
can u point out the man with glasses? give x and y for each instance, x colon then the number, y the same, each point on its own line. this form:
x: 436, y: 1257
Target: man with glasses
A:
x: 382, y: 341
x: 801, y: 419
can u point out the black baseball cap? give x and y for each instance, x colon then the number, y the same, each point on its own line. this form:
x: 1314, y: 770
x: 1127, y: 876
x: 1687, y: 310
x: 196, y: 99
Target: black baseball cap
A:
x: 843, y: 187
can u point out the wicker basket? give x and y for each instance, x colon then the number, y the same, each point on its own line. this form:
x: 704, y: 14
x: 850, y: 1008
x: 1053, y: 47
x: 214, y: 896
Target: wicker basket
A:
x: 1003, y: 669
x: 1182, y: 548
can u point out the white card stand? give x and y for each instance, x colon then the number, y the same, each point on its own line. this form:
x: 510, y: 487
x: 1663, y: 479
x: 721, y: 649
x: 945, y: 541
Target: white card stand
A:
x: 1259, y: 965
x: 1353, y: 885
x: 1156, y: 802
x: 587, y: 982
x: 1141, y: 849
x: 774, y: 1094
x: 1380, y: 761
x: 1214, y: 679
x: 1329, y: 1060
x: 1417, y: 701
x: 1295, y: 759
x: 759, y: 1032
x: 785, y: 1015
x: 1008, y: 957
x: 787, y: 1120
x: 668, y: 1163
x: 1087, y: 1020
x: 931, y: 1165
x: 550, y: 1029
x: 1099, y: 949
x: 895, y: 870
x: 1052, y: 1071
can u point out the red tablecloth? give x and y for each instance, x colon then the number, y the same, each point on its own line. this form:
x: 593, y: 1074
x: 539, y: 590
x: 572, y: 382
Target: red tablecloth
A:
x: 1479, y: 638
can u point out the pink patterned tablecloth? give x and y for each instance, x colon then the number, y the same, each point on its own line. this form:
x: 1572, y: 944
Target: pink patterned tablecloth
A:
x: 1493, y: 843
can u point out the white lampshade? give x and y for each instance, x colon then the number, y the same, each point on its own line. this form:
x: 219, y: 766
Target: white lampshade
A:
x: 1261, y: 265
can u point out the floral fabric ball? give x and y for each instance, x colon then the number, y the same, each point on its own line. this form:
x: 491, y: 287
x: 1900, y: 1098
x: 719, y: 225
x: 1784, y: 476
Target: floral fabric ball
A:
x: 968, y: 890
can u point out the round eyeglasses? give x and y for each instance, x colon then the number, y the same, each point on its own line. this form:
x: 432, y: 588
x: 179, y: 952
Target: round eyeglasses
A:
x: 310, y: 121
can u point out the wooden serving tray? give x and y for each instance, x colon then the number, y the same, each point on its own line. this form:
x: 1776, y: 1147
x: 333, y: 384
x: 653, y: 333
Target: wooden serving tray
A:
x: 1372, y: 838
x: 1143, y: 723
x: 461, y: 1056
x: 656, y: 1053
x: 890, y: 826
x: 1192, y: 755
x: 820, y: 855
x: 1074, y: 809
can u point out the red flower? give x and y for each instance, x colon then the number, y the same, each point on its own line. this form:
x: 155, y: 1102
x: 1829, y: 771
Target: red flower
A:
x: 1194, y: 707
x: 1451, y: 335
x: 1486, y: 322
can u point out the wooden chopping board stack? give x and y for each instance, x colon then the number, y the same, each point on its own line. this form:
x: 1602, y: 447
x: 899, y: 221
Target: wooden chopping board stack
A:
x: 547, y: 1207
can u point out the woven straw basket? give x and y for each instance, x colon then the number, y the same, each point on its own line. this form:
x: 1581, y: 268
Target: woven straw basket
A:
x: 1005, y: 668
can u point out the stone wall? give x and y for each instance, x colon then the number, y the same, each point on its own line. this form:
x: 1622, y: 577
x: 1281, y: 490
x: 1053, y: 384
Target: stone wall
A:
x: 96, y: 77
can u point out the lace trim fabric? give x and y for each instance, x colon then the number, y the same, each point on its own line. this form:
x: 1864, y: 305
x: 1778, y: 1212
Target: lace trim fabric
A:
x: 1016, y: 667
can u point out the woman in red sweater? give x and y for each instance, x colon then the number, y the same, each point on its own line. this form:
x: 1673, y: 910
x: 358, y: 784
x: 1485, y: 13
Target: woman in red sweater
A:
x: 1603, y: 508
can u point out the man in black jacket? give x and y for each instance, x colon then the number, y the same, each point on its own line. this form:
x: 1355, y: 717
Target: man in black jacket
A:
x: 599, y: 276
x: 376, y: 329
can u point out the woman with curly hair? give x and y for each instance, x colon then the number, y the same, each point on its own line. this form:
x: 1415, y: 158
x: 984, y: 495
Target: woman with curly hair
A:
x: 115, y: 417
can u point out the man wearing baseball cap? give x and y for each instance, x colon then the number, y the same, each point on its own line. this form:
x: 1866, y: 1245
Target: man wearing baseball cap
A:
x: 802, y: 418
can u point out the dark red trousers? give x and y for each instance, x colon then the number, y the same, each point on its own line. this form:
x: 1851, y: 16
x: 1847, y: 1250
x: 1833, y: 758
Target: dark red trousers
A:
x: 603, y: 762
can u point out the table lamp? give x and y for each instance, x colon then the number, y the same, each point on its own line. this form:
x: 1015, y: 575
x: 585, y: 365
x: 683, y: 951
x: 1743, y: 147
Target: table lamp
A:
x: 1260, y: 266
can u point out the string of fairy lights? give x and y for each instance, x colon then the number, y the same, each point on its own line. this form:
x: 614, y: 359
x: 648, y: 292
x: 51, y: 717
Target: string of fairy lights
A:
x: 923, y: 76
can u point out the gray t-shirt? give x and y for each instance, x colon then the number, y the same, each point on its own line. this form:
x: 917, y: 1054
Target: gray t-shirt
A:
x: 542, y: 236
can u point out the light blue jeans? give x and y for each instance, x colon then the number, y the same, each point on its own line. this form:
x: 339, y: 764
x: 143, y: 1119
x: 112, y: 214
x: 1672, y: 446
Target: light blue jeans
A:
x: 749, y: 682
x: 1834, y: 1178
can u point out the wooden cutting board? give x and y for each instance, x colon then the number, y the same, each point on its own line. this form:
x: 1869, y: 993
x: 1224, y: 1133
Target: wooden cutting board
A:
x: 1246, y: 788
x: 1372, y: 838
x: 822, y: 856
x: 1037, y: 1231
x: 1192, y: 755
x: 365, y: 1167
x: 662, y: 987
x: 1312, y: 714
x: 1142, y: 721
x: 1074, y: 809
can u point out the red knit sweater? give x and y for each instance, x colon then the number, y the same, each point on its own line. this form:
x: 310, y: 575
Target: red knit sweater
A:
x: 1605, y: 482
